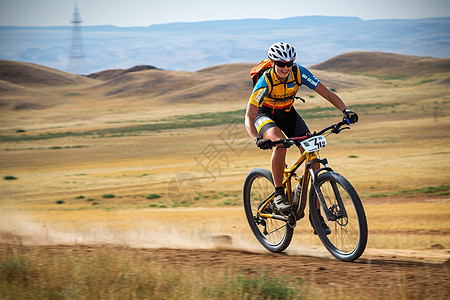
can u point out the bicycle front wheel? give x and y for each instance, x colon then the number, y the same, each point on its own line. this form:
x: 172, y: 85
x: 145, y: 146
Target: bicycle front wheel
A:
x: 348, y: 237
x: 274, y: 235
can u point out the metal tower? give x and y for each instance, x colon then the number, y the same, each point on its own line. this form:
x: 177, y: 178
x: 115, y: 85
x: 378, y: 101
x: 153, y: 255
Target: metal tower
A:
x: 76, y: 56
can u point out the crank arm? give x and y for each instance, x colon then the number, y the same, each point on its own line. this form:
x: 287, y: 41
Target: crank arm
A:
x: 276, y: 217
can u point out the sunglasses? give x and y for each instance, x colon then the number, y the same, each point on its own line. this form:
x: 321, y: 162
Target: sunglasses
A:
x: 284, y: 64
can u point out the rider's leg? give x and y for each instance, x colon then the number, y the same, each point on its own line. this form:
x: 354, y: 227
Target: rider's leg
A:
x: 277, y: 161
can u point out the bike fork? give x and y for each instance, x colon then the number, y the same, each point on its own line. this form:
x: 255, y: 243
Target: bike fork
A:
x: 315, y: 185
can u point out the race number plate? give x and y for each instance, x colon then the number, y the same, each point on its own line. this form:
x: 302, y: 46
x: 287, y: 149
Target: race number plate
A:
x: 314, y: 144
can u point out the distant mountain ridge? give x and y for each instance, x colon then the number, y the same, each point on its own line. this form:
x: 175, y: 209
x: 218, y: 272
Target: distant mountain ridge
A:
x: 197, y: 45
x: 259, y: 24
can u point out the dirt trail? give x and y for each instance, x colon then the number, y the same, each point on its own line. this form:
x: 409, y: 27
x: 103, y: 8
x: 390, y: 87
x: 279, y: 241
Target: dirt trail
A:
x: 419, y: 272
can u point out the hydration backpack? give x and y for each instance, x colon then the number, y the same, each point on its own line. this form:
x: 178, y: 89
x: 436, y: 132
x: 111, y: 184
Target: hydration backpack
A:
x: 258, y: 70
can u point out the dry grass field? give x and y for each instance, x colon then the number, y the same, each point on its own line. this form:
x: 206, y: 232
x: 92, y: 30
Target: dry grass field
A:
x: 142, y: 170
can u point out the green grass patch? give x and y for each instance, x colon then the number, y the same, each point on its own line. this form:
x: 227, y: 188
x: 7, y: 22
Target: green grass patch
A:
x: 441, y: 190
x: 257, y: 287
x: 108, y: 196
x: 50, y: 148
x: 394, y: 77
x: 143, y: 175
x: 229, y: 202
x: 191, y: 121
x: 15, y: 268
x: 72, y: 95
x: 29, y: 273
x: 426, y: 81
x: 435, y: 190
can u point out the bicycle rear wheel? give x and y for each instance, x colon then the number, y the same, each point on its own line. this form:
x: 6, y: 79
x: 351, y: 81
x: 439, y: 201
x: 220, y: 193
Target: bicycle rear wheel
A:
x: 274, y: 235
x: 348, y: 237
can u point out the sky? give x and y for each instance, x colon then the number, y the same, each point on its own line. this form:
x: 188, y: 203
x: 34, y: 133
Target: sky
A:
x: 127, y: 13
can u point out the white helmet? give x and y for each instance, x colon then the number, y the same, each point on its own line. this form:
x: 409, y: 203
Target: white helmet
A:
x: 281, y: 52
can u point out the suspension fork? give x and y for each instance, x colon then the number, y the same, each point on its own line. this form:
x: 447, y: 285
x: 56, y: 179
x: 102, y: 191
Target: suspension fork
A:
x: 315, y: 184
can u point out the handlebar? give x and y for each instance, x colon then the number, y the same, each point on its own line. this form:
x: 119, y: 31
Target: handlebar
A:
x: 335, y: 128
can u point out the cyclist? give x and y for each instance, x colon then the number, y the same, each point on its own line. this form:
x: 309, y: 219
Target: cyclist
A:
x: 270, y: 113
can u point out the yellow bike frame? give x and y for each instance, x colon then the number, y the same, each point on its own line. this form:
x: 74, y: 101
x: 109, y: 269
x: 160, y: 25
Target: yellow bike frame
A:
x: 288, y: 174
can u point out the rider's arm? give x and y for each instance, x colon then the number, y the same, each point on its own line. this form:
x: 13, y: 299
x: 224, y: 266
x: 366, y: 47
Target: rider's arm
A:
x: 250, y: 116
x: 256, y: 99
x: 312, y: 82
x: 332, y: 97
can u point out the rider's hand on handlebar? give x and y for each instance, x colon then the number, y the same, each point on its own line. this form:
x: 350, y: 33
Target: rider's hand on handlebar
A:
x: 350, y: 115
x: 264, y: 144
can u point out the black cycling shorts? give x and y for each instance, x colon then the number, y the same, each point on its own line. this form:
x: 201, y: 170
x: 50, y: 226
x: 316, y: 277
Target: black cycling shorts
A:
x: 289, y: 122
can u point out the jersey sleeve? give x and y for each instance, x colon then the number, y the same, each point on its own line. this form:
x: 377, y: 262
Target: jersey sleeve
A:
x: 259, y: 92
x: 307, y: 78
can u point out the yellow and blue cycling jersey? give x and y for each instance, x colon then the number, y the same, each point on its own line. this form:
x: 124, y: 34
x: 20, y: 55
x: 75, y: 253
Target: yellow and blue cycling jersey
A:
x: 274, y: 93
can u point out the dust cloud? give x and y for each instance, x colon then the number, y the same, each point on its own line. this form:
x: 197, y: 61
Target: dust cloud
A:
x: 21, y: 227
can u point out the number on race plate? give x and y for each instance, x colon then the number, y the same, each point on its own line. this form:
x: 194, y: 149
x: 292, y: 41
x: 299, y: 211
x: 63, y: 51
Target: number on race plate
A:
x: 314, y: 144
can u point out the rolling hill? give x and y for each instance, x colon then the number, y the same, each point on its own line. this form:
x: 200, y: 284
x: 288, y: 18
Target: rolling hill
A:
x: 29, y: 74
x: 109, y: 74
x: 219, y: 82
x: 384, y: 64
x: 26, y: 86
x: 40, y: 86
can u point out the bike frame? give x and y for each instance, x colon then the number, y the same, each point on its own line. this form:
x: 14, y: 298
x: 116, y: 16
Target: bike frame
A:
x: 288, y: 174
x: 309, y: 174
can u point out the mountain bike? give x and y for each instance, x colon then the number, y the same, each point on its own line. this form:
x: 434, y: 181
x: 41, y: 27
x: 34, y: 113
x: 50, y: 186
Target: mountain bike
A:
x: 329, y: 193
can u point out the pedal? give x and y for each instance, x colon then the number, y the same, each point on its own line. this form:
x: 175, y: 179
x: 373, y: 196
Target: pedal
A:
x: 292, y: 222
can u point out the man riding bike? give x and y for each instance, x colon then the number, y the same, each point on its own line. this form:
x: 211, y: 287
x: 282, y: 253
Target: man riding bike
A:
x: 270, y: 113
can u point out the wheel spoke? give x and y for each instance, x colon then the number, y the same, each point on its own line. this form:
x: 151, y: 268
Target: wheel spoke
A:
x: 348, y: 236
x: 271, y: 233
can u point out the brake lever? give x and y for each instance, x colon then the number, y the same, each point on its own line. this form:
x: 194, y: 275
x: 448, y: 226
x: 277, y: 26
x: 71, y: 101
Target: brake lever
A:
x: 338, y: 129
x: 335, y: 129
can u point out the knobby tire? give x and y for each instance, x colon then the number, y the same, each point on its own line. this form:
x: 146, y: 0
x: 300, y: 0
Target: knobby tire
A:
x: 348, y: 237
x: 276, y: 235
